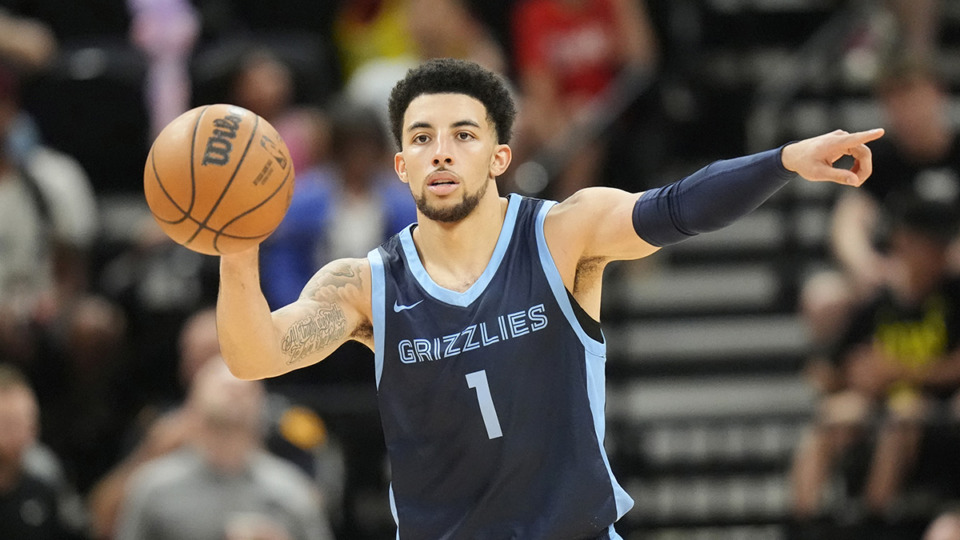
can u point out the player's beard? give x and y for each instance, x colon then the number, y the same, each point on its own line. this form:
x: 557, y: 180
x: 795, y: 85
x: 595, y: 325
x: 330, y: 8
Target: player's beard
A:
x: 454, y: 213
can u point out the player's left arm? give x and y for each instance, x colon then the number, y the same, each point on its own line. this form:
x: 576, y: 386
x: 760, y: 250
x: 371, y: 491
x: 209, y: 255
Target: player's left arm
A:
x: 611, y: 224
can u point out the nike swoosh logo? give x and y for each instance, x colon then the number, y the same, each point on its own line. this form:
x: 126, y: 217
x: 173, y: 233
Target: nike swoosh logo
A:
x: 397, y: 308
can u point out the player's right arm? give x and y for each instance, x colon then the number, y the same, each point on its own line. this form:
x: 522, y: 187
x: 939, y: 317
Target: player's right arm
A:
x: 334, y: 307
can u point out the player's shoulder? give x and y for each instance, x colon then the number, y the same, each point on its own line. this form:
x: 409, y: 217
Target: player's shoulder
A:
x: 595, y: 197
x: 586, y: 206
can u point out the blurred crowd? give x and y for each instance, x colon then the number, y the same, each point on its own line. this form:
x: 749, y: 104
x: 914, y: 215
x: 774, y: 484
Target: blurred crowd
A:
x: 117, y: 418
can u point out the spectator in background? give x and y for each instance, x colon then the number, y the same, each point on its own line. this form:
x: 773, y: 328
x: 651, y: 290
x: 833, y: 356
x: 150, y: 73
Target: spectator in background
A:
x: 372, y: 30
x: 264, y: 84
x: 379, y: 40
x: 162, y: 428
x: 449, y: 29
x: 222, y: 484
x: 52, y: 325
x: 31, y: 505
x: 919, y: 158
x: 340, y: 208
x: 28, y: 47
x: 899, y: 357
x: 368, y: 31
x: 567, y: 56
x: 49, y: 222
x: 166, y: 30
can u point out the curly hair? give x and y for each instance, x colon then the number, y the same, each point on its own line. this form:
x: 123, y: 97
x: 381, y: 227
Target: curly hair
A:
x: 452, y: 76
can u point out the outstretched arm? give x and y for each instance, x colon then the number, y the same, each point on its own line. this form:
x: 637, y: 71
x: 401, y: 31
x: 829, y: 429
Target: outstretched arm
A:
x: 334, y: 307
x: 612, y: 224
x: 599, y: 225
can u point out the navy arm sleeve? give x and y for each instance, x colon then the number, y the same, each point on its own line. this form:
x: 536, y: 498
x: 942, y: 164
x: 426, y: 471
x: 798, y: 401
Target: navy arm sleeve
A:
x: 709, y: 199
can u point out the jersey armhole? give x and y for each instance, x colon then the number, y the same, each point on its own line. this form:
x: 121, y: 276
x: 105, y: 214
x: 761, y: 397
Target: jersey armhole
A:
x: 586, y: 327
x: 590, y: 325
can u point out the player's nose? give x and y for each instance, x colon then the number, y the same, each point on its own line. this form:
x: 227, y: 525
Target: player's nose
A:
x: 442, y: 154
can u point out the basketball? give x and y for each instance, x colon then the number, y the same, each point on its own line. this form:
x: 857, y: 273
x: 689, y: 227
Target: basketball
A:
x: 218, y: 179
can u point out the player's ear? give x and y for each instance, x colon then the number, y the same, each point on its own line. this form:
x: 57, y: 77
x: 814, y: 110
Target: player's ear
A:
x: 400, y: 166
x: 502, y: 155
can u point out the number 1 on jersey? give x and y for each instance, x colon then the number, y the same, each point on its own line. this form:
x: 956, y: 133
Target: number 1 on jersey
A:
x: 478, y: 380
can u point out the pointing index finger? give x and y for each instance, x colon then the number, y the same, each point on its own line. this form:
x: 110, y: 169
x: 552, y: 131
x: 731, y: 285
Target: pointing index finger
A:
x: 862, y: 137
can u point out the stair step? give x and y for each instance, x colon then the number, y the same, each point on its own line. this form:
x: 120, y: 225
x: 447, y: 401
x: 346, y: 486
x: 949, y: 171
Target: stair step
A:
x: 709, y: 499
x: 762, y: 229
x: 697, y: 288
x: 710, y: 445
x: 773, y: 337
x: 714, y: 398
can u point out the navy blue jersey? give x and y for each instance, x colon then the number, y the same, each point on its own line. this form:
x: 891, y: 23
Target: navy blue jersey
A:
x: 491, y: 399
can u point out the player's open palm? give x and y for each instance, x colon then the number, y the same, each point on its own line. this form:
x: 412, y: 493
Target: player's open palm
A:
x: 813, y: 158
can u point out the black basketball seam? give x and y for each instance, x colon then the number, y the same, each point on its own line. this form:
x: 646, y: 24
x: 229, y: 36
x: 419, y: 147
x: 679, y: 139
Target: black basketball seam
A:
x: 193, y: 152
x: 227, y: 235
x: 219, y: 232
x: 156, y: 175
x: 236, y: 236
x: 263, y: 202
x: 243, y: 156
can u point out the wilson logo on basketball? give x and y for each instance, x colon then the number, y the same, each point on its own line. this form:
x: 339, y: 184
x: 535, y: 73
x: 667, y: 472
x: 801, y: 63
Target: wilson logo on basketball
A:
x: 219, y: 144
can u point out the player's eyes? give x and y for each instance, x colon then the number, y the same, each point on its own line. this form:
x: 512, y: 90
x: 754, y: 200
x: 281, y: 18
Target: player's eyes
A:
x: 464, y: 136
x: 420, y: 139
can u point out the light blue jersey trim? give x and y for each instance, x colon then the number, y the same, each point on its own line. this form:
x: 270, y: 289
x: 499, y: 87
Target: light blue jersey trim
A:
x: 556, y: 285
x: 378, y: 308
x: 596, y: 355
x: 378, y: 297
x: 467, y: 297
x: 393, y: 509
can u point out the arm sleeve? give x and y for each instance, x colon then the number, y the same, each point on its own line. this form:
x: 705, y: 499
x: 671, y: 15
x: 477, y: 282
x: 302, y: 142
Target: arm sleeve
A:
x: 708, y: 199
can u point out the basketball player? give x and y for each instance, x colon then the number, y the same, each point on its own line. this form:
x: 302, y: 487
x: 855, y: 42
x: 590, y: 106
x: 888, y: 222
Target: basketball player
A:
x: 484, y: 314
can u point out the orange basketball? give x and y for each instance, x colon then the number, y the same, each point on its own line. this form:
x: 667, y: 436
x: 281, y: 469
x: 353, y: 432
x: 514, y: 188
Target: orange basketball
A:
x: 218, y: 179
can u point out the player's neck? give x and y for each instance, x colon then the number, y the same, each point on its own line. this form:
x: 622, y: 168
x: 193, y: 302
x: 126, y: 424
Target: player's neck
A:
x: 455, y: 254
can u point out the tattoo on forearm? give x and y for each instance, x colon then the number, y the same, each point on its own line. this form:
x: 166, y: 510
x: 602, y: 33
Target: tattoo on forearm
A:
x: 314, y: 332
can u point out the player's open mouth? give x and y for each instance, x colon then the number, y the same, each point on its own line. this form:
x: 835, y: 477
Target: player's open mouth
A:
x: 442, y: 182
x: 441, y: 177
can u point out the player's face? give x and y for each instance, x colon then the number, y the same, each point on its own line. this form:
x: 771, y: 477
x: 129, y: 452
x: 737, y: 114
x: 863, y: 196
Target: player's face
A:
x: 449, y: 155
